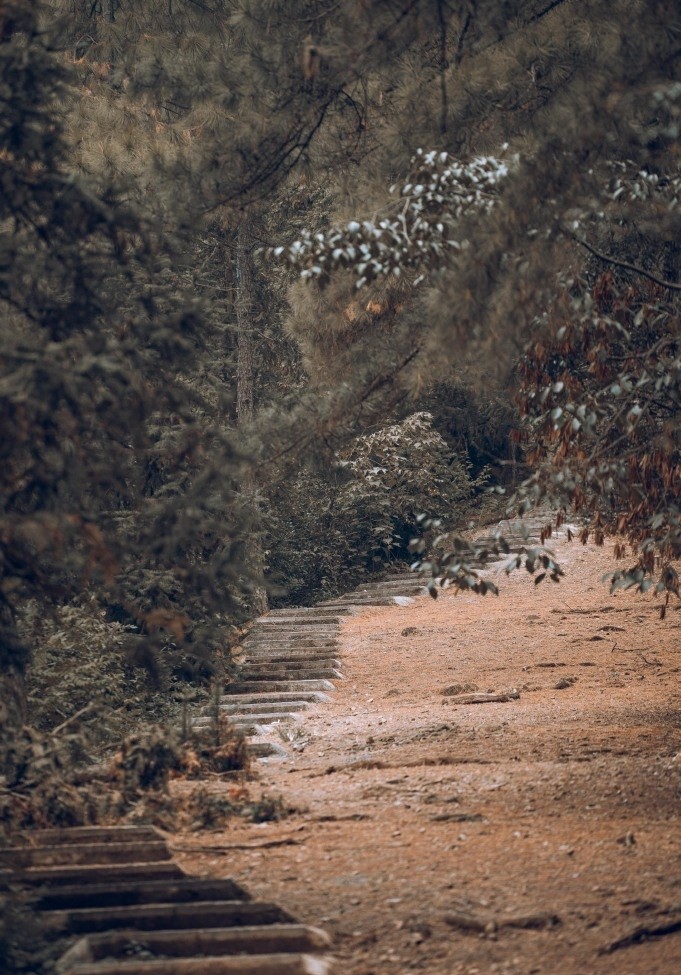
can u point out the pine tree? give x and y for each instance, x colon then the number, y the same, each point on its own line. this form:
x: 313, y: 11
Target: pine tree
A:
x: 583, y: 101
x: 117, y: 473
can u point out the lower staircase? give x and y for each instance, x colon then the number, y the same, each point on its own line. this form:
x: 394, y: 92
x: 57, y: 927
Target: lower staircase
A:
x: 116, y: 903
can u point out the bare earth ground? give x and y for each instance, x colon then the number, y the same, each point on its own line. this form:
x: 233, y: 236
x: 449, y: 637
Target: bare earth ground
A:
x: 420, y: 818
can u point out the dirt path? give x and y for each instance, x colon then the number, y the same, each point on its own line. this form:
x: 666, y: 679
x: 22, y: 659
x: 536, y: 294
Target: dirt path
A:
x: 520, y: 837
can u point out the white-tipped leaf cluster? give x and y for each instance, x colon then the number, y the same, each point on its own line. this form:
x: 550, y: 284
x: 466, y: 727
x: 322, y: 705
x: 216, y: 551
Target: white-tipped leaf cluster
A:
x: 422, y: 233
x: 631, y: 184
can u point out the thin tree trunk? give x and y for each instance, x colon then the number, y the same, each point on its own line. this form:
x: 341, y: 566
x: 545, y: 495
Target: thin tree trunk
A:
x: 13, y: 706
x: 245, y: 401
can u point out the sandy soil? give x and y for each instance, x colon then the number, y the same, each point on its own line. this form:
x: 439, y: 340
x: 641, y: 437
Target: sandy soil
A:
x: 426, y: 825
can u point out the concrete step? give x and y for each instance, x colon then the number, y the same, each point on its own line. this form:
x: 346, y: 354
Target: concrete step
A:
x: 155, y: 917
x: 83, y: 854
x: 97, y: 873
x: 260, y: 707
x: 283, y: 697
x: 276, y: 686
x: 94, y: 834
x: 211, y: 944
x: 304, y: 636
x: 253, y: 724
x: 389, y: 587
x: 353, y: 597
x: 360, y: 601
x: 291, y: 663
x: 318, y: 609
x: 304, y: 632
x: 316, y: 619
x: 286, y: 673
x: 187, y: 889
x: 280, y: 656
x: 286, y: 643
x: 266, y: 749
x: 276, y: 963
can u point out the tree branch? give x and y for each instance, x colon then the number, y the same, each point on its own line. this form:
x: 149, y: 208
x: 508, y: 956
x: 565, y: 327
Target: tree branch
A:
x: 625, y: 265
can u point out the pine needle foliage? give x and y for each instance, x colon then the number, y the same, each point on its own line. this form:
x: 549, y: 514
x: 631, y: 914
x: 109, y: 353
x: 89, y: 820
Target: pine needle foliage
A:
x: 116, y: 473
x: 586, y: 98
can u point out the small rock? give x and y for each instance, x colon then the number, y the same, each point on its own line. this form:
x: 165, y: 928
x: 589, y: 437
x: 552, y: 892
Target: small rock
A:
x: 410, y: 631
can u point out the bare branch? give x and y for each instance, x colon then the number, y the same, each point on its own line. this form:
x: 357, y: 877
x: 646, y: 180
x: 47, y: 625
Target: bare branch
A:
x: 625, y: 265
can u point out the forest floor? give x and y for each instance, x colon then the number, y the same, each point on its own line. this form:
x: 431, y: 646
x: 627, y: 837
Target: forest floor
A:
x: 523, y: 837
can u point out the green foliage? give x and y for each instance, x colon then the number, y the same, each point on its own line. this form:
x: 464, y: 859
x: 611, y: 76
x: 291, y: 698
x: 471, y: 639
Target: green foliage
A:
x: 24, y: 948
x: 602, y: 396
x: 117, y: 474
x: 438, y: 193
x: 329, y: 531
x: 508, y: 255
x: 395, y: 475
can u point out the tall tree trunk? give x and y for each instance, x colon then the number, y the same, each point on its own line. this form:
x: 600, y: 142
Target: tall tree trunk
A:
x: 245, y: 395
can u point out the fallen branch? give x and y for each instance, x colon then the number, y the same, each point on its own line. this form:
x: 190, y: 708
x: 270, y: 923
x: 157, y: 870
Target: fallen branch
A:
x: 265, y: 845
x: 457, y: 817
x: 488, y: 924
x: 74, y: 717
x: 500, y: 698
x: 625, y: 265
x: 642, y: 933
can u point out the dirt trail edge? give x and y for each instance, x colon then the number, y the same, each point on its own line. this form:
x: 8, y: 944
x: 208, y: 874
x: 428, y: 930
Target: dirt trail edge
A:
x: 494, y: 787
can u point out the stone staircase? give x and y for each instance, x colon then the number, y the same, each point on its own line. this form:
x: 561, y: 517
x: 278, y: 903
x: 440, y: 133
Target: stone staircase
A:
x: 290, y: 660
x: 291, y: 657
x: 116, y: 903
x: 520, y: 534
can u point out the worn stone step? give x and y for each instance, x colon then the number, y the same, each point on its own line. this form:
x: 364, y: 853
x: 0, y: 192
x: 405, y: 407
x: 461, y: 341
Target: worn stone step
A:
x: 290, y: 646
x: 261, y: 707
x: 388, y: 586
x: 291, y: 663
x: 97, y: 874
x: 159, y: 917
x: 354, y: 598
x: 248, y: 723
x: 310, y: 697
x: 316, y: 619
x: 329, y: 623
x: 302, y: 637
x: 206, y: 942
x: 266, y: 749
x: 359, y: 602
x: 272, y: 964
x: 66, y: 854
x: 92, y: 834
x: 247, y: 728
x: 280, y: 660
x: 297, y: 611
x: 294, y: 632
x: 512, y: 540
x: 285, y: 673
x: 290, y: 640
x: 286, y: 650
x: 278, y: 655
x: 275, y: 686
x: 170, y: 891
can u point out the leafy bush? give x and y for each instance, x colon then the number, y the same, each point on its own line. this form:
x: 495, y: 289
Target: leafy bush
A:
x: 397, y: 474
x: 328, y: 529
